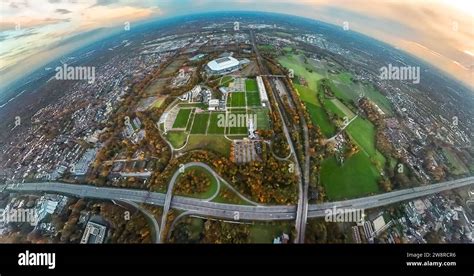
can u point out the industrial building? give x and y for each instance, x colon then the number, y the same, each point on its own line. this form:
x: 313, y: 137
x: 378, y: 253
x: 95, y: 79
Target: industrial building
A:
x: 94, y: 233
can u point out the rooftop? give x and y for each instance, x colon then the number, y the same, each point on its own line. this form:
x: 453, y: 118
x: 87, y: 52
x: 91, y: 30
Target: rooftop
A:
x: 223, y: 63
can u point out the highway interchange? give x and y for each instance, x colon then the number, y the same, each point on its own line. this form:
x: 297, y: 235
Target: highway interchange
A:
x: 229, y: 211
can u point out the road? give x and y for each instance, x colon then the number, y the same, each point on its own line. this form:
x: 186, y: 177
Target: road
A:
x: 302, y: 170
x: 150, y: 218
x: 302, y: 200
x: 245, y: 212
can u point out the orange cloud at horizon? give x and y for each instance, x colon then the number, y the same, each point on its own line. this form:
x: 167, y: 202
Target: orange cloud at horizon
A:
x: 437, y: 31
x: 440, y: 32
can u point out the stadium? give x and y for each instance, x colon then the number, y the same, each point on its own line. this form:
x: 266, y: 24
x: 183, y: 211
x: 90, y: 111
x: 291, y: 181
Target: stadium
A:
x: 223, y: 66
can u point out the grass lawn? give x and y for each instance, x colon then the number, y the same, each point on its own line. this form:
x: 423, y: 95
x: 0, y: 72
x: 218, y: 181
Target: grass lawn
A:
x: 253, y: 99
x: 357, y: 177
x: 263, y: 120
x: 237, y: 130
x: 338, y: 108
x: 177, y: 138
x: 261, y: 232
x: 228, y: 196
x: 345, y: 89
x: 182, y: 119
x: 457, y: 166
x: 159, y: 102
x: 266, y: 48
x: 321, y: 119
x: 379, y: 99
x: 251, y: 85
x: 363, y: 133
x: 226, y: 80
x: 345, y: 77
x: 307, y: 95
x: 215, y: 143
x: 214, y: 127
x: 207, y: 194
x: 296, y: 63
x: 200, y: 123
x: 237, y: 99
x: 315, y: 110
x: 240, y: 129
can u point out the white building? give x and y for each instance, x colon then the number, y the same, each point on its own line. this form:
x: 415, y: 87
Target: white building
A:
x: 262, y: 91
x: 223, y: 66
x: 94, y: 233
x: 213, y: 104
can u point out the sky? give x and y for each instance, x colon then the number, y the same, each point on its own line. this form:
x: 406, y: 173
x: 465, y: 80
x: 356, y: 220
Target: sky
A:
x: 34, y: 32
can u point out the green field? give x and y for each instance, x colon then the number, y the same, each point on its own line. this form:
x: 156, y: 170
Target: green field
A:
x: 359, y: 174
x: 213, y: 124
x: 457, y: 167
x: 200, y: 123
x: 251, y: 85
x: 226, y: 80
x: 296, y: 63
x: 177, y: 138
x: 237, y: 99
x: 345, y: 77
x: 253, y: 99
x: 362, y: 132
x: 345, y: 89
x: 266, y: 48
x: 238, y: 130
x: 159, y: 102
x: 355, y: 178
x: 263, y: 119
x: 215, y: 143
x: 182, y: 118
x: 309, y: 94
x: 338, y: 108
x: 379, y: 99
x: 315, y: 110
x: 261, y: 232
x: 212, y: 188
x: 321, y: 119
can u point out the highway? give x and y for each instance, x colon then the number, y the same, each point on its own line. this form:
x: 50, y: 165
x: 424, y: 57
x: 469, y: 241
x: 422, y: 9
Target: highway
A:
x: 229, y: 211
x: 302, y: 172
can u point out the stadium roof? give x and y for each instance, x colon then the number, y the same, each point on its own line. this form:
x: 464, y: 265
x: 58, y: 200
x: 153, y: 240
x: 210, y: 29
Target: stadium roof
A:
x: 223, y: 63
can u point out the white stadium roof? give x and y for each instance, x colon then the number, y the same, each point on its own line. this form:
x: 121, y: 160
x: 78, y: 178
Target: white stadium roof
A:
x: 223, y: 63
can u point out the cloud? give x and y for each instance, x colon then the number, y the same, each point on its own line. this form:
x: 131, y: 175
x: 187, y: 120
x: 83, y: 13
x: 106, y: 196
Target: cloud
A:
x: 106, y: 2
x: 439, y: 31
x: 62, y: 11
